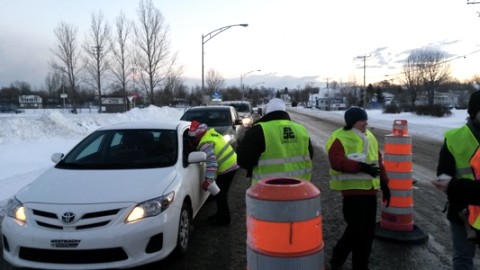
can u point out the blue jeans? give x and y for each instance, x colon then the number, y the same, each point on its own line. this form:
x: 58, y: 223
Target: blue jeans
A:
x: 463, y: 250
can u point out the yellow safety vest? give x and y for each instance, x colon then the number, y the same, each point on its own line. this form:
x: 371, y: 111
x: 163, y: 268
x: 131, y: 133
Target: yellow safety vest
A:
x: 352, y: 143
x: 286, y: 152
x: 225, y: 154
x: 463, y: 145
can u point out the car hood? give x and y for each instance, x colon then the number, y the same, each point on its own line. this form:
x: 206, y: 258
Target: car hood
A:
x: 64, y: 186
x: 224, y: 129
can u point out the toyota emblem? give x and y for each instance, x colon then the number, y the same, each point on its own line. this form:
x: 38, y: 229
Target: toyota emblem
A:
x: 68, y: 217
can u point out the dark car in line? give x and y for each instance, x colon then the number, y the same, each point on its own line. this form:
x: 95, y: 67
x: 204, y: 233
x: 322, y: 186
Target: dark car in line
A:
x: 224, y: 119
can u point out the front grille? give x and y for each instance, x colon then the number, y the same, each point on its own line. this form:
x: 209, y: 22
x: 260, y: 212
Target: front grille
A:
x: 85, y: 221
x: 73, y: 256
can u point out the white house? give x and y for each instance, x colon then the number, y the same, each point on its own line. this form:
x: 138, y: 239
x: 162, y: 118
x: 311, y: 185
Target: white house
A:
x: 328, y: 100
x: 30, y: 101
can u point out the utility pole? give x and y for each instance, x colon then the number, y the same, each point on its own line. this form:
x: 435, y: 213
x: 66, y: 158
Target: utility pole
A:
x: 328, y: 95
x: 364, y: 85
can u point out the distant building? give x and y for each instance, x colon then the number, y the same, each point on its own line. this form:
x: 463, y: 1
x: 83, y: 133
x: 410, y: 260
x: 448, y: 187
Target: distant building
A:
x: 448, y: 99
x: 327, y: 100
x: 30, y: 102
x: 113, y: 104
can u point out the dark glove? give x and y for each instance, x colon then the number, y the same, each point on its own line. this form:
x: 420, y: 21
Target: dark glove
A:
x: 373, y: 170
x: 385, y: 193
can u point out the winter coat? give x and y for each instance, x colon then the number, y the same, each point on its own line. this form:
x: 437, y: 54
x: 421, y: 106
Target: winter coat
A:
x: 446, y: 165
x: 253, y: 143
x: 340, y: 162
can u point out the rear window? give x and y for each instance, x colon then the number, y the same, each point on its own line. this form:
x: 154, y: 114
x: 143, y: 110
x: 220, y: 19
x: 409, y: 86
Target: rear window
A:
x: 213, y: 118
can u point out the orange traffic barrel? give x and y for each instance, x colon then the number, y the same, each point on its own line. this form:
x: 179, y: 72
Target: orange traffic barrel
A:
x: 397, y: 219
x: 400, y: 127
x: 284, y: 225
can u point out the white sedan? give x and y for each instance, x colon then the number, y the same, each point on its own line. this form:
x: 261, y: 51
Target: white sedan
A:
x: 124, y: 196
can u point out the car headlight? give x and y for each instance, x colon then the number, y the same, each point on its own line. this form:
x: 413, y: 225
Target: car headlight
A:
x: 228, y: 137
x: 151, y: 207
x: 16, y: 210
x: 247, y: 121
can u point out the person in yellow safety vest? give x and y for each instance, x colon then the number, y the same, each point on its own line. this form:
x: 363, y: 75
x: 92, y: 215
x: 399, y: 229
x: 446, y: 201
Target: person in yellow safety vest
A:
x: 356, y: 169
x: 276, y: 147
x: 459, y: 160
x: 221, y: 166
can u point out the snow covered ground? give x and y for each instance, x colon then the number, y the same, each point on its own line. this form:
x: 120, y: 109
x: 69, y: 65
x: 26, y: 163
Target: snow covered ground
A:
x: 28, y: 140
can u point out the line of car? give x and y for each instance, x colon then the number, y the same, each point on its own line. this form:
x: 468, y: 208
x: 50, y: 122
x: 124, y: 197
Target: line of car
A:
x: 124, y: 196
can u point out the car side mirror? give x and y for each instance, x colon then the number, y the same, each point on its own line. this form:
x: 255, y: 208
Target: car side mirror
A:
x: 56, y: 157
x: 197, y: 156
x: 238, y: 122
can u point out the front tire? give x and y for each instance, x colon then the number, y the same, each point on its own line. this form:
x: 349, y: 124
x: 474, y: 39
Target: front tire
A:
x: 184, y: 230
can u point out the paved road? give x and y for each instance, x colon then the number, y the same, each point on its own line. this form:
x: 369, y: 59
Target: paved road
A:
x: 224, y: 248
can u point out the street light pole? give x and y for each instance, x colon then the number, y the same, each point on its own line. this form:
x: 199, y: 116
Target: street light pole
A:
x: 207, y: 37
x: 241, y: 80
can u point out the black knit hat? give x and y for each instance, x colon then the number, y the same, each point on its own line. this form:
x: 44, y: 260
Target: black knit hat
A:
x: 354, y: 114
x: 474, y: 104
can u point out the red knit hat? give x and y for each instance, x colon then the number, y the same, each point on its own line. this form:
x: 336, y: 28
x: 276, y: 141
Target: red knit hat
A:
x: 197, y: 130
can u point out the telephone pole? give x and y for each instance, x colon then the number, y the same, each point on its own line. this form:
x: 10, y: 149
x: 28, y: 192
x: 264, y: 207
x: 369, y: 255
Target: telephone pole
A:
x: 364, y: 86
x: 328, y: 95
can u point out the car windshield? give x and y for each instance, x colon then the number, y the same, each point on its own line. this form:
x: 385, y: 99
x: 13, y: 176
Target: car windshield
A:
x: 213, y: 118
x: 124, y: 149
x: 241, y: 107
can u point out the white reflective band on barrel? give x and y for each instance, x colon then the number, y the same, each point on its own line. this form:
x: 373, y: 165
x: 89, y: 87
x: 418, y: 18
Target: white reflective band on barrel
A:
x: 398, y: 140
x: 400, y: 175
x: 283, y: 174
x: 398, y: 210
x: 398, y: 158
x: 284, y: 211
x: 264, y: 262
x: 283, y: 160
x: 401, y: 192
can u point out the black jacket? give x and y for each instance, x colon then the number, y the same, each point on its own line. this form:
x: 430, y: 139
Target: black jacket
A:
x: 458, y: 195
x: 253, y: 143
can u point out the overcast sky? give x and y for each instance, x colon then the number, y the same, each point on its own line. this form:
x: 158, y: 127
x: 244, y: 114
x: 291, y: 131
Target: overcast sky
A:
x: 296, y: 42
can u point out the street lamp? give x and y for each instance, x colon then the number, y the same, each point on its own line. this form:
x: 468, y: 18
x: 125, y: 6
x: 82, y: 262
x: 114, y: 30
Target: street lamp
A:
x: 207, y: 37
x: 242, y: 77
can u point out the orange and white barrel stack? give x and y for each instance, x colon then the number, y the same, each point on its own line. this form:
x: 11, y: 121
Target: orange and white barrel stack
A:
x: 397, y: 220
x: 284, y: 225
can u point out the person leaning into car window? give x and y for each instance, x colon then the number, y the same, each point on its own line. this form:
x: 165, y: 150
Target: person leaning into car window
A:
x: 275, y: 146
x: 221, y: 166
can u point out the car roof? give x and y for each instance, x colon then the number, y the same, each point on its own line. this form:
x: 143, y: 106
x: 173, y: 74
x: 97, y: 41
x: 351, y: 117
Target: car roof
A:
x: 161, y: 124
x: 209, y: 107
x: 235, y: 102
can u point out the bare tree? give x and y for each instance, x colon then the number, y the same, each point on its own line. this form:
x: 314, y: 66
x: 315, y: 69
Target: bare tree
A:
x: 215, y: 81
x: 97, y: 46
x: 153, y: 59
x: 53, y: 81
x: 424, y: 71
x: 122, y: 64
x: 173, y: 87
x: 67, y: 56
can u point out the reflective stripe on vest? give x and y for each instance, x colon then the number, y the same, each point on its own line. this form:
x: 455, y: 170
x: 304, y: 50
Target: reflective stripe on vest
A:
x: 224, y: 153
x: 286, y: 151
x: 353, y: 143
x: 463, y: 145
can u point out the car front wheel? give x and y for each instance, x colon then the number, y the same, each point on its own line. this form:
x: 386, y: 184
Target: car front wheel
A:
x: 184, y: 230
